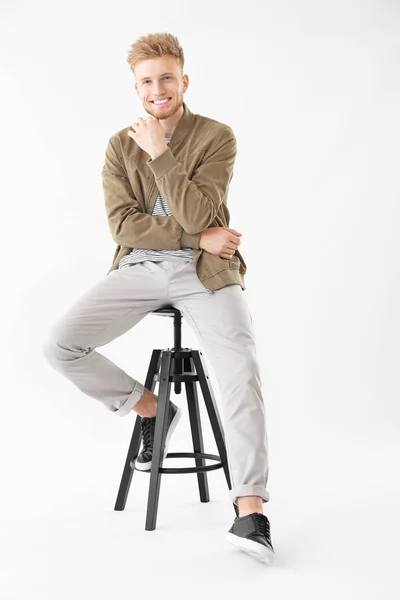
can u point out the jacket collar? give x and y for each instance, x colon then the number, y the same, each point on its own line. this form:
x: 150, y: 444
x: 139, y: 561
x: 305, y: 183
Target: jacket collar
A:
x: 184, y: 124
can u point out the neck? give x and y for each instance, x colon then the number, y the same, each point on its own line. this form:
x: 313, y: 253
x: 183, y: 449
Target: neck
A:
x: 170, y: 123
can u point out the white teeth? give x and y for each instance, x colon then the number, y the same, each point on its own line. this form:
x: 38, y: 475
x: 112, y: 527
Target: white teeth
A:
x: 161, y: 101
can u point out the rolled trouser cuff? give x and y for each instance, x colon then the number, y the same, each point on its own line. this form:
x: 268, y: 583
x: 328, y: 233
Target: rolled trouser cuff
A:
x: 130, y: 402
x: 248, y: 490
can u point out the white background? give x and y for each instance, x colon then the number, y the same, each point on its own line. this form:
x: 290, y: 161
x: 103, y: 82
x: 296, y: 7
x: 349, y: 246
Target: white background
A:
x: 311, y: 90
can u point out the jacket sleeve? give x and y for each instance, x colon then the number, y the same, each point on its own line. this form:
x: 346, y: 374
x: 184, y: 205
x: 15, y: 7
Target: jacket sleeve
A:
x: 129, y: 225
x: 195, y: 202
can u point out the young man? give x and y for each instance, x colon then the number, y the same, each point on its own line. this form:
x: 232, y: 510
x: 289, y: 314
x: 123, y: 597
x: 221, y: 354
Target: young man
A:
x: 165, y: 182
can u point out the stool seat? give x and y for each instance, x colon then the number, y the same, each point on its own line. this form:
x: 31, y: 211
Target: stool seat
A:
x: 167, y: 311
x: 176, y: 365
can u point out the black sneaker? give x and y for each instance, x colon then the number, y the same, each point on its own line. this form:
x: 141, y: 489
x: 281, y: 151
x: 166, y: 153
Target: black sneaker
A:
x: 252, y: 535
x: 148, y: 424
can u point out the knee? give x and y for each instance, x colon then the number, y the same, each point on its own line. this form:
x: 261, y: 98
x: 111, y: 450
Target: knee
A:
x: 61, y: 348
x: 248, y: 367
x: 54, y: 347
x: 50, y: 349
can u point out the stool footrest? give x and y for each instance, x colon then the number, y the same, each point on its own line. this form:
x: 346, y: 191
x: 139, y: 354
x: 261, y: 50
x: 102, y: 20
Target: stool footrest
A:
x: 182, y: 377
x: 176, y: 470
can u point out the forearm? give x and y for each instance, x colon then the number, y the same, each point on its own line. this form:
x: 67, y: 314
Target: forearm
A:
x: 140, y: 230
x: 196, y: 202
x: 135, y: 229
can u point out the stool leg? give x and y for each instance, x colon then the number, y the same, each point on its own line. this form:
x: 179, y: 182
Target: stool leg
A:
x: 197, y: 436
x: 160, y: 435
x: 177, y: 370
x: 134, y: 446
x: 212, y: 409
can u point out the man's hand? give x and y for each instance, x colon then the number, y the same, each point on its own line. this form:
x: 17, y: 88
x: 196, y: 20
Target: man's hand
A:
x: 220, y: 241
x: 149, y: 135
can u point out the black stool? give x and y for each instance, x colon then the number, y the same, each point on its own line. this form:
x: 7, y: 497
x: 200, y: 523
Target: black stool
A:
x: 176, y: 364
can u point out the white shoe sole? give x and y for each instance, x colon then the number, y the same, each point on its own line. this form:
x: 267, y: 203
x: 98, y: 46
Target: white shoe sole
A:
x: 255, y: 549
x: 174, y: 423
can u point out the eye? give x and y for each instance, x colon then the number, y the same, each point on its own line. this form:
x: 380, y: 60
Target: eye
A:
x: 165, y: 77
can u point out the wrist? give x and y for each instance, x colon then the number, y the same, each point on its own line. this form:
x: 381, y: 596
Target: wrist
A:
x: 157, y: 151
x: 190, y: 240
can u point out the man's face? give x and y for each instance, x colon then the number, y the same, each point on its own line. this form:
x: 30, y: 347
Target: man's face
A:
x: 157, y: 79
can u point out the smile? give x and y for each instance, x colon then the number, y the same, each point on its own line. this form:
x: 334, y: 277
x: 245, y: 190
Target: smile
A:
x: 161, y: 103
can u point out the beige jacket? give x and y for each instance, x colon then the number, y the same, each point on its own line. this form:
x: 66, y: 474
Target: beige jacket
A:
x: 193, y: 177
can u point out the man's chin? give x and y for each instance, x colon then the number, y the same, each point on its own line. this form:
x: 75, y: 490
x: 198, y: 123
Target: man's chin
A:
x: 162, y: 115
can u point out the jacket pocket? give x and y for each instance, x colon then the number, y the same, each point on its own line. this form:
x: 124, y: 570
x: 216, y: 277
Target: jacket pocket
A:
x: 234, y: 262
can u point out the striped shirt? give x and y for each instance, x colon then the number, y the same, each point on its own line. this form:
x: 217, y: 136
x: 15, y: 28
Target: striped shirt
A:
x: 138, y: 255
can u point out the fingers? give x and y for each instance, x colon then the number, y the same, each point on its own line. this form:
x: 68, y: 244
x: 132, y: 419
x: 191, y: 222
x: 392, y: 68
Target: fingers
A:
x: 235, y: 239
x: 229, y: 252
x: 234, y: 242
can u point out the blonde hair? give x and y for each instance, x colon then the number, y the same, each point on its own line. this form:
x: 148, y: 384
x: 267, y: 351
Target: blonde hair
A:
x: 155, y: 45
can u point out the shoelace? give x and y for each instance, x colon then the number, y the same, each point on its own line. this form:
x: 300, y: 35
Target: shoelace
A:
x: 148, y: 428
x: 263, y: 524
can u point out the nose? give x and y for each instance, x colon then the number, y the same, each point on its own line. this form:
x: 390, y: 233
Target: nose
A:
x: 158, y: 89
